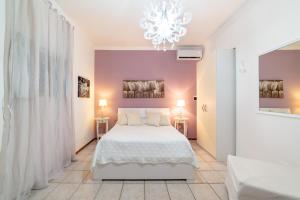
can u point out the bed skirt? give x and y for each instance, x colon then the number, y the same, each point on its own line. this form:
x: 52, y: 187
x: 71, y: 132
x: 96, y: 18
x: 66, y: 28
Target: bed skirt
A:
x: 143, y: 171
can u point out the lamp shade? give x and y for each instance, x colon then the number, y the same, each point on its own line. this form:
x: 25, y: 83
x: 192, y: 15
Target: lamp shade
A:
x: 102, y: 102
x: 180, y: 103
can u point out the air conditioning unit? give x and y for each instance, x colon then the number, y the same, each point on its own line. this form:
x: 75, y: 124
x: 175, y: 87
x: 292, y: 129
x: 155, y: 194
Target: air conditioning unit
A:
x: 189, y: 53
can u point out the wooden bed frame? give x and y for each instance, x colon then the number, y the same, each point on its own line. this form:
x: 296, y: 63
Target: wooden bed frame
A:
x: 143, y: 171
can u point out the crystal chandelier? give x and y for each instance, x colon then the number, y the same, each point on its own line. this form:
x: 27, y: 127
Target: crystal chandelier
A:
x: 164, y: 23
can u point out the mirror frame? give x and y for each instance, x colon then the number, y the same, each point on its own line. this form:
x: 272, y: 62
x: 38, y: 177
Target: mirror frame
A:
x: 258, y: 111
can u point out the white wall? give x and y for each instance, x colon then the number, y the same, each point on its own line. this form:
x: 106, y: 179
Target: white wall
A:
x: 83, y: 107
x: 2, y: 33
x: 259, y: 26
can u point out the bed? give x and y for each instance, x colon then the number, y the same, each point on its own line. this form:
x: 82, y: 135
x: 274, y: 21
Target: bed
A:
x: 253, y: 179
x: 144, y: 152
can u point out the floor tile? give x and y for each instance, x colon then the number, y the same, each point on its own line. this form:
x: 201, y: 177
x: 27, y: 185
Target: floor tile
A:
x: 87, y: 150
x: 201, y: 152
x: 203, y: 192
x: 109, y: 191
x: 218, y: 166
x: 221, y: 191
x: 89, y: 179
x: 199, y: 158
x: 204, y: 166
x: 198, y: 179
x: 83, y: 166
x: 132, y: 192
x: 60, y: 177
x: 91, y: 147
x: 86, y: 192
x: 180, y: 192
x: 212, y: 176
x: 75, y: 177
x: 209, y: 171
x: 43, y: 193
x: 223, y: 174
x: 196, y: 147
x: 72, y: 165
x: 88, y: 157
x: 207, y: 157
x: 156, y: 192
x: 63, y: 192
x: 84, y: 153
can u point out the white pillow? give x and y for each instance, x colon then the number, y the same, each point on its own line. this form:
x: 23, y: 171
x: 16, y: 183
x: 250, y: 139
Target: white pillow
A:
x: 134, y: 119
x: 164, y: 120
x: 153, y: 118
x: 122, y: 119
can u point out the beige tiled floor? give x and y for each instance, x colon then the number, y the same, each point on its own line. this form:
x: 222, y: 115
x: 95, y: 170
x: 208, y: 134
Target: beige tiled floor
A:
x: 76, y: 183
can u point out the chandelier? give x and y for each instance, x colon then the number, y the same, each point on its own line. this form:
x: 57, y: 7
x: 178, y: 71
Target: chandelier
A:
x: 164, y: 23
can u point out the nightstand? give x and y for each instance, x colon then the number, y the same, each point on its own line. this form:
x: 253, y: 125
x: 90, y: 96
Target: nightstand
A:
x: 99, y: 121
x: 184, y: 122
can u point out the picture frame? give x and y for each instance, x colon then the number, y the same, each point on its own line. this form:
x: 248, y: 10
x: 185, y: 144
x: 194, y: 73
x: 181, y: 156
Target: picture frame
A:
x: 143, y: 89
x: 271, y: 89
x: 83, y: 87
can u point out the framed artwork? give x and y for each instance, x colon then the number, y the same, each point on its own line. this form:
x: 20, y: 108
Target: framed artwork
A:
x: 83, y: 87
x: 143, y: 89
x: 271, y: 89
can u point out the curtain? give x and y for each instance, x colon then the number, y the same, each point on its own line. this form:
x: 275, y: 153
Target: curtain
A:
x: 38, y: 133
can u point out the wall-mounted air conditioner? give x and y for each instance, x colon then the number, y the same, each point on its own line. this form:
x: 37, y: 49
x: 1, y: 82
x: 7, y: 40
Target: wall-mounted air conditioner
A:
x: 189, y: 53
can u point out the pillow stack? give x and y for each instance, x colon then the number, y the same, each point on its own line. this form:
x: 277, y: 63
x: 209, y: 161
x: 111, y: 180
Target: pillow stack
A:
x: 134, y: 119
x: 152, y: 119
x: 122, y: 119
x: 164, y: 120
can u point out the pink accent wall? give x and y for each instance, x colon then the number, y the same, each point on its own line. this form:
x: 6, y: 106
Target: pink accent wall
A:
x: 114, y: 66
x: 282, y: 65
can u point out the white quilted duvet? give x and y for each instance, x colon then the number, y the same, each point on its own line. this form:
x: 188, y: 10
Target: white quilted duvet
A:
x: 144, y: 145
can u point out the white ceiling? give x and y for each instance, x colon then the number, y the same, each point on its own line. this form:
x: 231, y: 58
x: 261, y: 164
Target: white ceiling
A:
x: 115, y: 23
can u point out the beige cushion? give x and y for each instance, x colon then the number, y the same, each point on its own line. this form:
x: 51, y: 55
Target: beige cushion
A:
x: 164, y: 120
x: 153, y: 118
x: 122, y: 119
x: 134, y: 119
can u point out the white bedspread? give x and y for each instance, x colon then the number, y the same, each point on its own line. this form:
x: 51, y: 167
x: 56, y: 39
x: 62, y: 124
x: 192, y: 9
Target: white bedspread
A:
x: 144, y: 145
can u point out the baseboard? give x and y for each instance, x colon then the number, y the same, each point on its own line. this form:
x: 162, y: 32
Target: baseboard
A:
x: 85, y: 145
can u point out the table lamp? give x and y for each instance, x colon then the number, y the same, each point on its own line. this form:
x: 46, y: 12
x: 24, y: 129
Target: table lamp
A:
x: 102, y: 104
x: 180, y: 104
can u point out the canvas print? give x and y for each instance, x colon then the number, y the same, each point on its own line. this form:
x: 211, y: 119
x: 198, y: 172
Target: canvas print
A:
x: 143, y: 89
x: 83, y: 87
x: 271, y: 89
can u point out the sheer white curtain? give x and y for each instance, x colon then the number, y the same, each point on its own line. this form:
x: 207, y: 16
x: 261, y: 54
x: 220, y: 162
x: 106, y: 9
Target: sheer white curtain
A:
x: 38, y: 116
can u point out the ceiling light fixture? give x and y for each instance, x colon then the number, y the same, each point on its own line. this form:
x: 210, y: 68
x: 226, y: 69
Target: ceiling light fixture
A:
x: 164, y: 23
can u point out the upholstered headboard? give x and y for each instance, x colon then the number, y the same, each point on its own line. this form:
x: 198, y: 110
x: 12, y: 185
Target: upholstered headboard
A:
x: 143, y: 111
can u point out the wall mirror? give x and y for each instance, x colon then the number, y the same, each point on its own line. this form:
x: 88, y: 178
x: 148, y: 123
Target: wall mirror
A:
x: 279, y: 80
